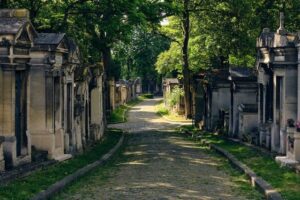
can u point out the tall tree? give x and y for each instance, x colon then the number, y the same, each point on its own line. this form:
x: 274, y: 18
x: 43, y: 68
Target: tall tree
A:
x: 137, y: 58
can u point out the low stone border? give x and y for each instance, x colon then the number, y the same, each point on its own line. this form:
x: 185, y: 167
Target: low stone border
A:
x: 256, y: 181
x: 60, y: 185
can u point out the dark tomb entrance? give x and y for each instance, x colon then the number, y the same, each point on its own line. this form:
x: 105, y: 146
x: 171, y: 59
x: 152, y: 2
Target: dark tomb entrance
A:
x: 21, y: 112
x: 87, y: 122
x: 69, y: 111
x: 279, y: 108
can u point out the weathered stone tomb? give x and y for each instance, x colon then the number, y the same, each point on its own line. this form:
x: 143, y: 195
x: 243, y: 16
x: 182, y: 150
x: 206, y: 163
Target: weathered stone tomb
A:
x: 277, y: 78
x: 243, y: 98
x: 51, y: 112
x: 16, y: 39
x: 216, y: 99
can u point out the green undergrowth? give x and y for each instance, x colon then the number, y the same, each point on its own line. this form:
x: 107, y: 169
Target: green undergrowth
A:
x: 147, y: 96
x: 286, y: 181
x: 38, y: 181
x: 162, y: 110
x: 119, y: 114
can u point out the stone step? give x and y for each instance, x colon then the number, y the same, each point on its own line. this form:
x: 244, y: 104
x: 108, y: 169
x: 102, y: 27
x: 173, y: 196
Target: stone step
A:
x: 63, y: 157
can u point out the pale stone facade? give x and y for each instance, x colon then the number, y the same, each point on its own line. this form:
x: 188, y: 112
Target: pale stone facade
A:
x: 89, y: 114
x: 42, y: 106
x: 47, y: 86
x: 113, y: 94
x: 277, y: 67
x: 97, y: 112
x: 16, y: 39
x: 243, y: 91
x: 123, y: 91
x: 82, y: 107
x: 72, y: 139
x: 248, y: 123
x: 216, y: 99
x: 137, y: 87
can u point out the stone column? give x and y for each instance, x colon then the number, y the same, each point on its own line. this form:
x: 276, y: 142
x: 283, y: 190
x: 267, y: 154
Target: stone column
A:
x: 2, y: 161
x: 297, y: 146
x: 290, y: 144
x: 298, y: 88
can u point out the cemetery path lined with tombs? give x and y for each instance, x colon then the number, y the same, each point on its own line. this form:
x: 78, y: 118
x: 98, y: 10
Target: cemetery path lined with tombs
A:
x: 156, y: 164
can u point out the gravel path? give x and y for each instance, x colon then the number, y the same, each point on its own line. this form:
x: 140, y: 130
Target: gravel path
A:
x: 157, y: 164
x: 142, y: 117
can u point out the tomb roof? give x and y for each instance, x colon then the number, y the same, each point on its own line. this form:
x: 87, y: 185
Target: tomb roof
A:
x: 219, y: 74
x: 49, y: 38
x: 171, y: 81
x: 123, y: 82
x: 12, y: 25
x: 13, y: 20
x: 280, y: 38
x: 242, y: 74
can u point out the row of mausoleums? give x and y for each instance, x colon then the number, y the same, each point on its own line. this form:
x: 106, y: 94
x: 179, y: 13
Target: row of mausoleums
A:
x: 261, y: 105
x: 124, y: 91
x: 49, y: 101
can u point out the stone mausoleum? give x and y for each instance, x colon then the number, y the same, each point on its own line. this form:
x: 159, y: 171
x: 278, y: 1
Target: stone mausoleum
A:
x: 44, y: 107
x: 16, y: 40
x: 243, y: 98
x: 277, y: 66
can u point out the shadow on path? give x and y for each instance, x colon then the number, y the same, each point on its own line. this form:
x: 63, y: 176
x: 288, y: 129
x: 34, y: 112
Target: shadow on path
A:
x: 156, y: 164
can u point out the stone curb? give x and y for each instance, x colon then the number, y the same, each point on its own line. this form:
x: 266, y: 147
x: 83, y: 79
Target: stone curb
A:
x: 60, y: 185
x: 256, y: 181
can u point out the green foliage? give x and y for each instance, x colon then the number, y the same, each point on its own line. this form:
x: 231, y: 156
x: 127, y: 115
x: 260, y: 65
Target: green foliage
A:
x: 137, y: 58
x: 173, y: 98
x: 119, y: 115
x: 97, y: 26
x: 162, y: 110
x: 223, y: 33
x: 170, y: 60
x: 147, y: 96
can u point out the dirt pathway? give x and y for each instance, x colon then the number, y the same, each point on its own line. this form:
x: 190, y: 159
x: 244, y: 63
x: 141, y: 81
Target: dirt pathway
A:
x: 158, y: 165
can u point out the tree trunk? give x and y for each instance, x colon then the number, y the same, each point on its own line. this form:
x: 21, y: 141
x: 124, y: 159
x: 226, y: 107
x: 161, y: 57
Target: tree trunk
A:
x: 186, y: 70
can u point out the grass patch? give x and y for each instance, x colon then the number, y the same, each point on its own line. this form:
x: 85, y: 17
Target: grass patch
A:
x: 27, y: 187
x: 286, y: 181
x: 119, y: 114
x: 147, y: 96
x: 162, y: 110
